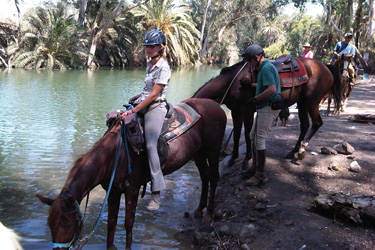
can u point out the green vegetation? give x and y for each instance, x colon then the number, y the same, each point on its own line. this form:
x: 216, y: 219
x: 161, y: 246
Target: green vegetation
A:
x: 109, y: 33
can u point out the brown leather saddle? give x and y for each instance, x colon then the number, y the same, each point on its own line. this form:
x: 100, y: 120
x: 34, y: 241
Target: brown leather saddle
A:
x: 178, y: 120
x: 286, y: 63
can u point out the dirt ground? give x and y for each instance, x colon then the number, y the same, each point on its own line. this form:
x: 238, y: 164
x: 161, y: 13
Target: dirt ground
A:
x: 279, y: 214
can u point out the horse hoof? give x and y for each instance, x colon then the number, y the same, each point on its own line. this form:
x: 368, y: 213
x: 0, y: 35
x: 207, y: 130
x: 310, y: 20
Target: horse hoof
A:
x: 301, y: 155
x: 198, y: 214
x: 289, y: 156
x: 244, y: 164
x: 207, y: 218
x: 230, y: 162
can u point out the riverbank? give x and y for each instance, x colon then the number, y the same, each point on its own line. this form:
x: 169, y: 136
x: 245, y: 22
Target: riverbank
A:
x: 280, y: 214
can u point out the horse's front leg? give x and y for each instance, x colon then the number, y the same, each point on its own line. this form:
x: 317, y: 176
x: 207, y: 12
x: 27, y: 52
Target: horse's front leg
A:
x: 131, y: 201
x: 237, y: 126
x: 248, y: 120
x: 113, y: 208
x: 304, y: 126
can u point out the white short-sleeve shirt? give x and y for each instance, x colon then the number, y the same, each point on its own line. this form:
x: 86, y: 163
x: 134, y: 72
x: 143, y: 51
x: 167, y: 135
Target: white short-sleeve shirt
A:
x: 159, y: 74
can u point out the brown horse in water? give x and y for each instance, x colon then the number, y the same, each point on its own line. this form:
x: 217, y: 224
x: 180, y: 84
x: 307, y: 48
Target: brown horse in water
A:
x: 202, y: 142
x: 233, y: 87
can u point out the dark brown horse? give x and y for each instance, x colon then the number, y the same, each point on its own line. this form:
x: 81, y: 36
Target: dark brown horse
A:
x: 347, y: 83
x: 230, y: 88
x: 202, y: 142
x: 321, y: 79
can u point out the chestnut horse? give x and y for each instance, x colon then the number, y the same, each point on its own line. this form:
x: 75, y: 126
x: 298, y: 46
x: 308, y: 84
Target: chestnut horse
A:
x: 202, y: 142
x: 234, y: 88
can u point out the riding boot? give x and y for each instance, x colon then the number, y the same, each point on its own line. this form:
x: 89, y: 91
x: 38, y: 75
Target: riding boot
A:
x: 250, y: 170
x: 259, y: 177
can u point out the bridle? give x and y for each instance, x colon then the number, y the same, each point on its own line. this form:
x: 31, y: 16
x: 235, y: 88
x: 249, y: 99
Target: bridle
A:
x: 80, y: 222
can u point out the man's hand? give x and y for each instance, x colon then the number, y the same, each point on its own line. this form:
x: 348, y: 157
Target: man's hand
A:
x: 252, y: 101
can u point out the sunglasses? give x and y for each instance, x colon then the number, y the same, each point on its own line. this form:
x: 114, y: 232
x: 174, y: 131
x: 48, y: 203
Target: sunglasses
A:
x: 151, y: 46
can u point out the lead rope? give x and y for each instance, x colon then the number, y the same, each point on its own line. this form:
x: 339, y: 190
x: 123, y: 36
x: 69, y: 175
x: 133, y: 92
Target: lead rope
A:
x: 230, y: 85
x: 123, y: 134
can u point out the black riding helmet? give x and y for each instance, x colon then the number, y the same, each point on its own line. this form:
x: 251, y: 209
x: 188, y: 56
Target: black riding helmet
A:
x: 252, y: 50
x: 154, y: 37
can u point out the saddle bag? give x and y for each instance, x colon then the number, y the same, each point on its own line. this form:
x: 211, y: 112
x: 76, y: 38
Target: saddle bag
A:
x: 134, y: 132
x: 277, y: 103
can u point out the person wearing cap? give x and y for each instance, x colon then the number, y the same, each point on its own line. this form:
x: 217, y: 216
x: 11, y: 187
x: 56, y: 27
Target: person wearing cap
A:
x: 307, y: 53
x: 152, y: 105
x: 347, y: 49
x: 267, y: 89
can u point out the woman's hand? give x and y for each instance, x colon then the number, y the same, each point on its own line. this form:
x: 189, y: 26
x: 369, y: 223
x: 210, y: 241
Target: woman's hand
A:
x: 127, y: 113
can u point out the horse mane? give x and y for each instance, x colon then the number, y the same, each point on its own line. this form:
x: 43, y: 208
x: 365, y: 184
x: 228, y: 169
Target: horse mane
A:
x: 223, y: 71
x: 95, y: 151
x: 60, y: 212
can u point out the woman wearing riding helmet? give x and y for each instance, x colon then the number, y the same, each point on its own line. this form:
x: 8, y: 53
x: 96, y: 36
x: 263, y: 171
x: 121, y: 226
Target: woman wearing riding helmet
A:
x: 152, y: 100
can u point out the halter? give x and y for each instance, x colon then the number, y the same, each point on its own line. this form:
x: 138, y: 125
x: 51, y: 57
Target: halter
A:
x: 80, y: 220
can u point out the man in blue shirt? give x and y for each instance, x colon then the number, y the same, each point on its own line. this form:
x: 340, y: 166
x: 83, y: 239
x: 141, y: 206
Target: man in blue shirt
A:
x: 347, y: 49
x: 267, y: 90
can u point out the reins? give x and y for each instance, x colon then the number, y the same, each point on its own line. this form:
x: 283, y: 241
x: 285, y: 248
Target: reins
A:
x: 230, y: 85
x: 84, y: 241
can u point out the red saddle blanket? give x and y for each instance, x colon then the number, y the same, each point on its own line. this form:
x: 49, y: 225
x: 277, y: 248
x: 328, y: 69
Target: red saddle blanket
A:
x: 288, y: 79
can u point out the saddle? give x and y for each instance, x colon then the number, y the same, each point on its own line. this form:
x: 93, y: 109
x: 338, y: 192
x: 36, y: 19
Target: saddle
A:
x: 178, y: 120
x: 292, y: 71
x: 286, y: 63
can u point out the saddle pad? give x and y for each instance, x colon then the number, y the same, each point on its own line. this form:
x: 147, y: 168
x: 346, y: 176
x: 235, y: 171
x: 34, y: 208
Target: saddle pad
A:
x: 191, y: 117
x: 288, y: 79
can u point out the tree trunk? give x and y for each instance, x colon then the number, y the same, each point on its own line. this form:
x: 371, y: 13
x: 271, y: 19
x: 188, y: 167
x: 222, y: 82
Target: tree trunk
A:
x: 372, y: 22
x: 328, y: 11
x: 204, y: 22
x: 82, y: 11
x: 366, y: 68
x: 97, y: 32
x: 359, y: 209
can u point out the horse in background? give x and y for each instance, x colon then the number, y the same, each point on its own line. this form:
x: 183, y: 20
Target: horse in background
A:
x: 347, y: 84
x: 233, y: 86
x: 347, y: 79
x: 9, y: 240
x: 202, y: 142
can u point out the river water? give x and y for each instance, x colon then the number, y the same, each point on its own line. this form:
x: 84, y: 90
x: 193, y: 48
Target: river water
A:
x: 49, y: 118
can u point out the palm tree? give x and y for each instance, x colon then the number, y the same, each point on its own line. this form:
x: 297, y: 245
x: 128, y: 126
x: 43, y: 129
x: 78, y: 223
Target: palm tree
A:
x: 272, y: 31
x: 50, y: 40
x: 178, y: 26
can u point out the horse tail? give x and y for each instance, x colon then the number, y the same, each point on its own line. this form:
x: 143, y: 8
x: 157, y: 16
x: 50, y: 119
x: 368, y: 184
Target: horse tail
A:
x: 336, y: 88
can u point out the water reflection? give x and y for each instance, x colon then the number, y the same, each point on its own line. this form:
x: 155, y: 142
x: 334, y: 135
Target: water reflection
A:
x: 49, y: 118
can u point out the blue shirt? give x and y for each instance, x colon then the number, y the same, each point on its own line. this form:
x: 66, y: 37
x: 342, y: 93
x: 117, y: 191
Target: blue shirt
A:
x: 343, y: 48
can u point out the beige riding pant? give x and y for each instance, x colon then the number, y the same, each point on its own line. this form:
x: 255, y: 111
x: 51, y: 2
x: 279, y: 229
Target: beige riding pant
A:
x: 261, y: 126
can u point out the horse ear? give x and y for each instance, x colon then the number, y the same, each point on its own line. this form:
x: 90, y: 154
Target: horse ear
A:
x: 45, y: 200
